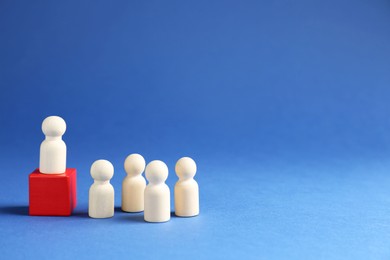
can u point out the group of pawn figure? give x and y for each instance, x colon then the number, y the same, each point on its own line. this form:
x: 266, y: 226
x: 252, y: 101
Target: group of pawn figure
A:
x: 154, y: 198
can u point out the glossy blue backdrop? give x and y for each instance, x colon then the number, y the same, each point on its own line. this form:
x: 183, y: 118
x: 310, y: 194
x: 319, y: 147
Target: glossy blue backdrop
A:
x: 283, y: 104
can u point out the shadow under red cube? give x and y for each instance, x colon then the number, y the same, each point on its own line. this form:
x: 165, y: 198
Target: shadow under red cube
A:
x: 52, y: 194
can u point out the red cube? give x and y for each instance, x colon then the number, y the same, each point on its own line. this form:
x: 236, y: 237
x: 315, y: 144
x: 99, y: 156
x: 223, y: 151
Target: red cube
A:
x: 52, y: 194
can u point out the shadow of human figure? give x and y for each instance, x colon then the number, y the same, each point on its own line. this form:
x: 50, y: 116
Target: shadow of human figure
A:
x: 129, y: 216
x: 14, y: 210
x: 135, y: 218
x: 80, y: 214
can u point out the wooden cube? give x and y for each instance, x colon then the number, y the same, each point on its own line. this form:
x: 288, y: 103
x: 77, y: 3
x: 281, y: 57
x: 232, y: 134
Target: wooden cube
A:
x: 52, y: 194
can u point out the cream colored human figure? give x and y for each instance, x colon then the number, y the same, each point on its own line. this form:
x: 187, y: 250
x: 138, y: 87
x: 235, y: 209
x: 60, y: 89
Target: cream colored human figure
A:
x: 52, y: 158
x: 133, y: 186
x: 101, y: 193
x: 157, y: 193
x: 186, y: 189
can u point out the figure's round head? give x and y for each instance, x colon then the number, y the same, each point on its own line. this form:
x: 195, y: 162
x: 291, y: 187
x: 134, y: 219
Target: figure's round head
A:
x: 185, y: 168
x: 53, y: 126
x: 156, y: 172
x: 134, y: 164
x: 102, y: 170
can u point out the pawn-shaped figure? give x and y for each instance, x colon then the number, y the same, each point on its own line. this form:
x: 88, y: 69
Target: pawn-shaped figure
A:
x: 186, y: 189
x: 157, y: 193
x: 133, y: 186
x: 52, y: 159
x: 101, y: 193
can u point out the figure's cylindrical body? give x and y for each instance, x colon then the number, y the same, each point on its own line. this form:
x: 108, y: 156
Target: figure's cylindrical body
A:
x: 133, y: 189
x: 52, y: 159
x: 186, y: 198
x: 157, y: 203
x: 101, y: 200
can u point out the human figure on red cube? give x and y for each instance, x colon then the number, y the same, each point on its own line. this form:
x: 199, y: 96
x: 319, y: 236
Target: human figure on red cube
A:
x: 52, y: 187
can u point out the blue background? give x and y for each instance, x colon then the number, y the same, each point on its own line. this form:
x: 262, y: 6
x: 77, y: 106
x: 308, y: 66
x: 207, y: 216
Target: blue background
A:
x: 284, y: 105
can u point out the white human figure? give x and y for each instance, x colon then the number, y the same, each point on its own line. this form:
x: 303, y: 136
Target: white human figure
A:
x: 186, y: 189
x: 52, y: 158
x: 157, y: 193
x: 101, y: 193
x: 133, y: 185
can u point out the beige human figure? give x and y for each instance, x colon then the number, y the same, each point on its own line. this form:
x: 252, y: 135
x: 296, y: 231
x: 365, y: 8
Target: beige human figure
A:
x: 157, y: 193
x: 133, y: 185
x: 186, y: 189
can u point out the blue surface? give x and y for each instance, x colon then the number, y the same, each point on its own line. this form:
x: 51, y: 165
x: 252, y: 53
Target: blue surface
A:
x: 284, y: 105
